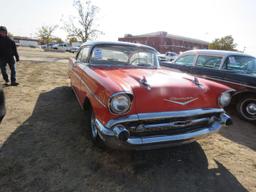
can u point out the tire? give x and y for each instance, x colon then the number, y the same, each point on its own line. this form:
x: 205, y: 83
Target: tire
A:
x: 246, y: 108
x: 91, y: 129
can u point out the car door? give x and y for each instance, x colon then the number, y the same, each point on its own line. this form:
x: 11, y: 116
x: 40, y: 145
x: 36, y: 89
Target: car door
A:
x: 76, y: 75
x: 236, y: 72
x: 82, y: 71
x: 208, y: 66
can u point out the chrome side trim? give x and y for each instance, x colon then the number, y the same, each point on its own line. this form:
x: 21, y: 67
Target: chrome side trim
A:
x: 231, y: 82
x: 76, y: 95
x: 89, y: 90
x: 162, y: 115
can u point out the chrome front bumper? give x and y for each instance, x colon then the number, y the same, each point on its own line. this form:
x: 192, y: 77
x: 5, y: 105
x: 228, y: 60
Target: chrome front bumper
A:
x: 110, y: 133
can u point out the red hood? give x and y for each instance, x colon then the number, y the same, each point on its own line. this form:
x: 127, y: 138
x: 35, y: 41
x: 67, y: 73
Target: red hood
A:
x: 162, y: 90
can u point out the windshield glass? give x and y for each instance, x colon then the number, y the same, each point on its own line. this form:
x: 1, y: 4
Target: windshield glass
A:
x: 241, y: 64
x: 123, y: 55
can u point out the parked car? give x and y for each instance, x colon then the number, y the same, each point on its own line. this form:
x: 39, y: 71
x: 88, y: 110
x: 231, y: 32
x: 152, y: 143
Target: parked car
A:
x: 170, y: 56
x: 234, y: 69
x: 161, y: 57
x: 48, y: 46
x: 132, y: 103
x: 73, y: 49
x: 61, y: 46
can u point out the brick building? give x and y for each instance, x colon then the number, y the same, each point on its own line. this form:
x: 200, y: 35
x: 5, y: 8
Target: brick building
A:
x: 163, y: 42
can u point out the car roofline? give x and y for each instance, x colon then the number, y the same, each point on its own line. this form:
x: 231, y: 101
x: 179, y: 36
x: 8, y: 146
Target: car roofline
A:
x: 215, y: 52
x: 94, y: 43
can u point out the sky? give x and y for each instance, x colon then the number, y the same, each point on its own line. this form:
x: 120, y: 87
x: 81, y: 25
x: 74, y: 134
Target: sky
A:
x: 200, y: 19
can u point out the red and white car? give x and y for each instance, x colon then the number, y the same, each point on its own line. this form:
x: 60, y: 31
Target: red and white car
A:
x: 133, y: 103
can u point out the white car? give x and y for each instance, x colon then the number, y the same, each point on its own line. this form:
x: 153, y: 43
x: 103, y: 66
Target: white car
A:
x: 61, y: 46
x: 161, y: 57
x: 170, y: 56
x: 73, y: 49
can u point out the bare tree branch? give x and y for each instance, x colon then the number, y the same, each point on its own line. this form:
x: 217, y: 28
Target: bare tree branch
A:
x: 83, y: 26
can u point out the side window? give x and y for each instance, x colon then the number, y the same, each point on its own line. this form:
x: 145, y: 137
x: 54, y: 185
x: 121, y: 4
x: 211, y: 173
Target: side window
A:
x: 185, y: 60
x: 240, y: 63
x: 83, y: 55
x: 208, y: 61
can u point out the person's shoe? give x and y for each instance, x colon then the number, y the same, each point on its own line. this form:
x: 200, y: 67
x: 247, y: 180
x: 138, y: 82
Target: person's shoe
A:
x: 14, y: 84
x: 6, y: 83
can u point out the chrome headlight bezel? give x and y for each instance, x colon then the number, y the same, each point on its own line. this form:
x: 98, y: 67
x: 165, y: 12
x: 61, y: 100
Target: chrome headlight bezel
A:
x: 225, y: 98
x: 120, y: 103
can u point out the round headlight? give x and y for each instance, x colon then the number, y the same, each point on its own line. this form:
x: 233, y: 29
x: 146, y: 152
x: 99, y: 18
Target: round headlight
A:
x: 225, y: 99
x: 120, y: 104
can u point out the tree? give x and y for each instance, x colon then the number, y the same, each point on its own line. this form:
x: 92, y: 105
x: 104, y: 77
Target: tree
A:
x: 72, y: 40
x: 45, y: 33
x: 56, y: 39
x: 83, y: 26
x: 224, y: 43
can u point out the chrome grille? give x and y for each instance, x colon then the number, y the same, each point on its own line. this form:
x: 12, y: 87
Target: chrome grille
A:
x: 171, y: 126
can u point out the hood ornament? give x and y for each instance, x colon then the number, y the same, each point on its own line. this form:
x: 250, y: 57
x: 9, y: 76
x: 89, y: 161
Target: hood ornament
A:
x: 181, y: 101
x: 144, y: 82
x: 196, y: 82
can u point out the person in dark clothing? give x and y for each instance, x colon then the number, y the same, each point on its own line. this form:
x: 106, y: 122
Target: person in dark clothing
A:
x: 8, y: 51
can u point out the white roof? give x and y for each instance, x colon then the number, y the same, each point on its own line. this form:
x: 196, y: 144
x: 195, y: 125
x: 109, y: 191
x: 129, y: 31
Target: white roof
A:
x: 215, y: 52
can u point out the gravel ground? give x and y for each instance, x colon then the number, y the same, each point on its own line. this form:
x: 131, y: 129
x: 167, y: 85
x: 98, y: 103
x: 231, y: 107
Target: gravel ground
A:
x: 43, y: 148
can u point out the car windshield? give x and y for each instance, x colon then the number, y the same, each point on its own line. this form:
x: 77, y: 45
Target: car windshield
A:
x: 124, y: 56
x: 241, y: 64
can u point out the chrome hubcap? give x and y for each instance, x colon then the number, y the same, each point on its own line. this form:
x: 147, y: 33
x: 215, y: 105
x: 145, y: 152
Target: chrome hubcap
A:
x: 93, y: 127
x: 251, y: 108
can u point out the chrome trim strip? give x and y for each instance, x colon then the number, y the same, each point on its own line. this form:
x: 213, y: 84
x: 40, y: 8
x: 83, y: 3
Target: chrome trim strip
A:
x: 161, y: 115
x: 212, y: 78
x: 76, y: 95
x: 89, y: 90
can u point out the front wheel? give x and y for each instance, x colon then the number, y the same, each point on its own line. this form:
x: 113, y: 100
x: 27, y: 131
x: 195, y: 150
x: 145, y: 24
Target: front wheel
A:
x: 246, y: 108
x: 92, y: 130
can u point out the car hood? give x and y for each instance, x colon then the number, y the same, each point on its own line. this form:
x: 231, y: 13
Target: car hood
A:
x: 157, y: 90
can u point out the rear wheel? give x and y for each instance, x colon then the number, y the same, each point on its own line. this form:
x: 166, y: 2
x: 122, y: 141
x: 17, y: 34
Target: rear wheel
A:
x: 246, y: 108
